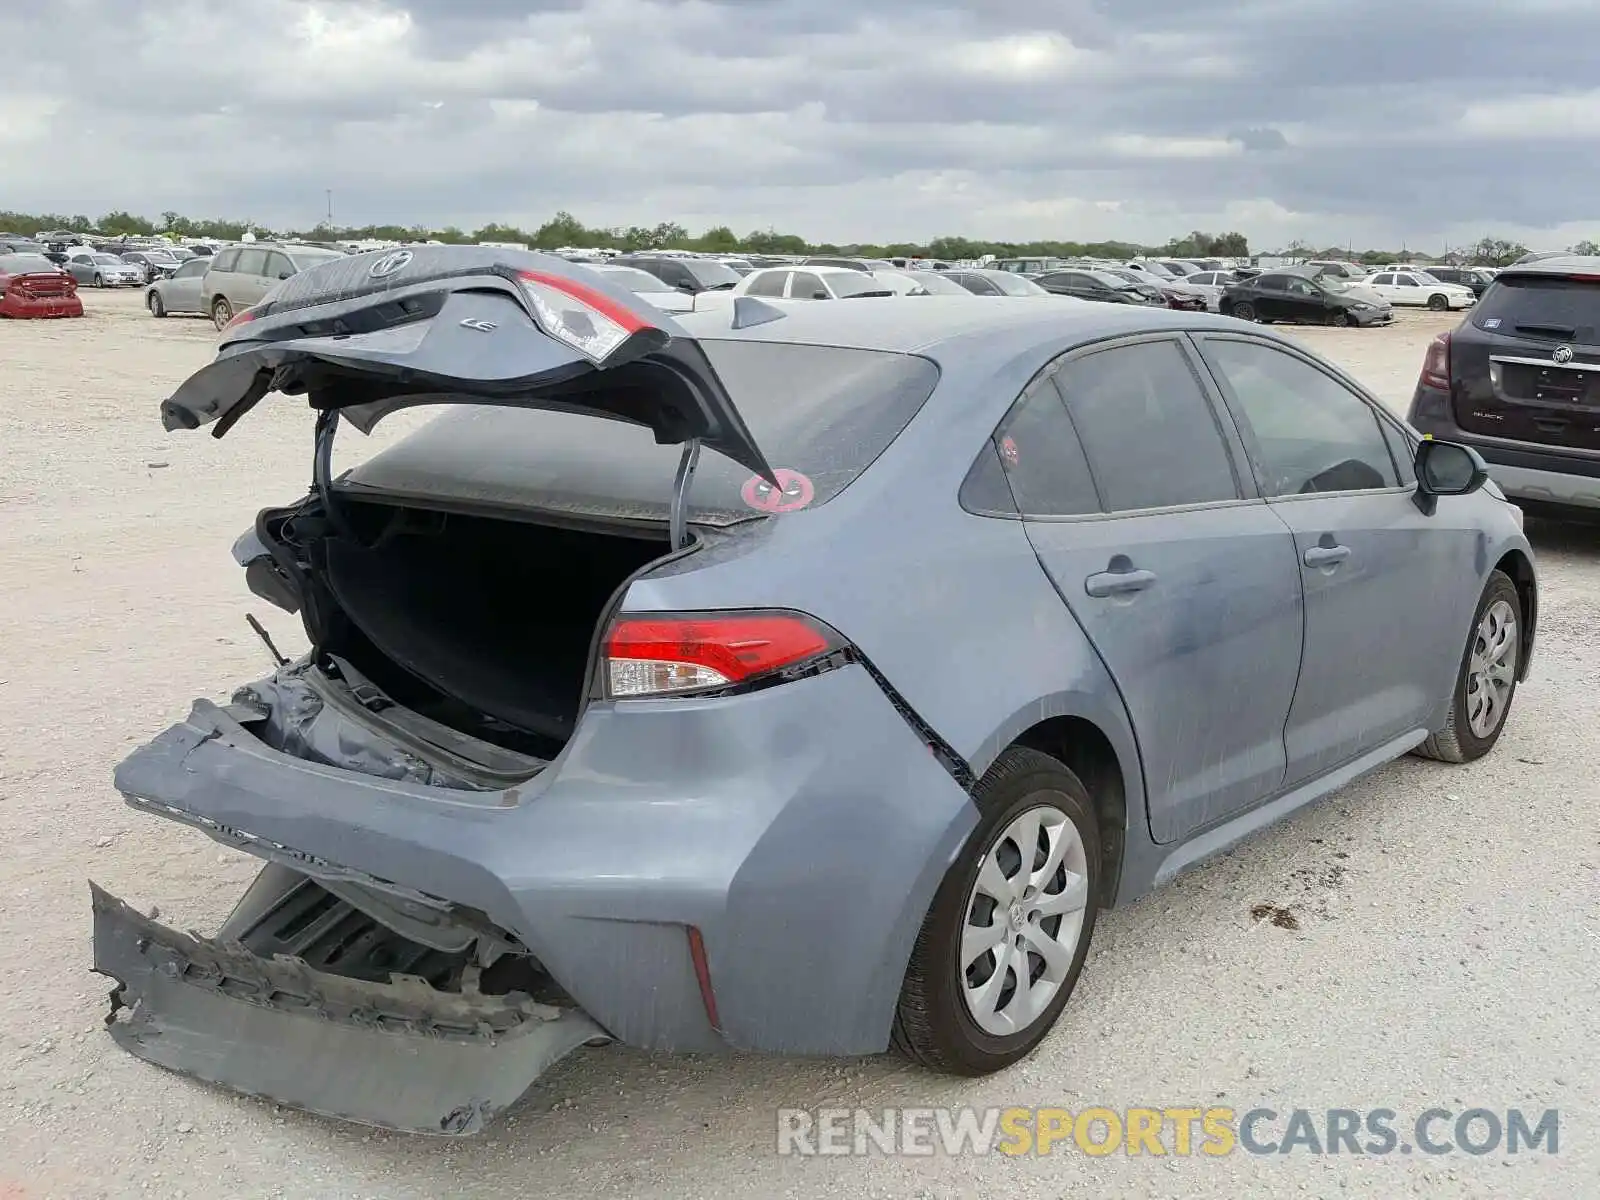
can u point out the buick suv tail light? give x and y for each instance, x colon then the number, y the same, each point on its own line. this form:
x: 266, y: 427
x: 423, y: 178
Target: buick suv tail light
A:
x: 1436, y: 366
x: 673, y: 654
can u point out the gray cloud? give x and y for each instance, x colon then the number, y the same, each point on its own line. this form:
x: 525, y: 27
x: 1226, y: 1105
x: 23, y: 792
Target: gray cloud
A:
x: 1322, y: 119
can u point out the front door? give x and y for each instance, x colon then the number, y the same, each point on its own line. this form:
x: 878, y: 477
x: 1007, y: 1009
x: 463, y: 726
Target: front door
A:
x: 1388, y: 591
x: 1186, y: 586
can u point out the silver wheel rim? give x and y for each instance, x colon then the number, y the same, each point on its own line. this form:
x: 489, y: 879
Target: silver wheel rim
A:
x: 1023, y: 921
x: 1491, y: 669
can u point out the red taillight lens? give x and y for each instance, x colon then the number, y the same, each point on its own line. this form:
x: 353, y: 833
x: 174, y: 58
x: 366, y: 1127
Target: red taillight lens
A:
x: 1436, y: 367
x: 585, y: 318
x: 240, y: 318
x: 667, y: 655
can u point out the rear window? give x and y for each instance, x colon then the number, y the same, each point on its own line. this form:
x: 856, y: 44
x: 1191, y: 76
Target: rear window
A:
x: 823, y: 413
x: 1541, y: 306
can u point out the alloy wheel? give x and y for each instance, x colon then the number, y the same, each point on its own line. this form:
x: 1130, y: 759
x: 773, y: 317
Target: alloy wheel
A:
x: 1024, y: 917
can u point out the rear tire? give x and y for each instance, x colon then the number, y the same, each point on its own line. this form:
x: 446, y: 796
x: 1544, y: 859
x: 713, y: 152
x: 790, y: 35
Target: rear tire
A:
x: 1245, y: 311
x: 153, y: 303
x: 1438, y: 303
x: 945, y: 1002
x: 1486, y: 679
x: 221, y: 313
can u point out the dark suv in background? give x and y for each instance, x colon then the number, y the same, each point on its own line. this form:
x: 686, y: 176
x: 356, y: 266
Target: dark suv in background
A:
x: 1519, y: 381
x: 1470, y: 277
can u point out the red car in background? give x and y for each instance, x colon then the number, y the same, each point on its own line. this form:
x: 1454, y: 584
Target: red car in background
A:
x: 33, y: 286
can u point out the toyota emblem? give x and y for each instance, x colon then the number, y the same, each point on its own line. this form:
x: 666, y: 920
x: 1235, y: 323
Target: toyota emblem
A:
x: 390, y: 264
x: 1563, y: 354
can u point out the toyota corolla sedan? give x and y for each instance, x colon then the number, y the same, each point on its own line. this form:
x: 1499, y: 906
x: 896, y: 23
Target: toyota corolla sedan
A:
x: 800, y: 679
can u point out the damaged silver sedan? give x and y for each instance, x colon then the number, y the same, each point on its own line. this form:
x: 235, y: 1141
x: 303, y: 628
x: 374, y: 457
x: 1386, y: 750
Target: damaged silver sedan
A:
x: 833, y: 739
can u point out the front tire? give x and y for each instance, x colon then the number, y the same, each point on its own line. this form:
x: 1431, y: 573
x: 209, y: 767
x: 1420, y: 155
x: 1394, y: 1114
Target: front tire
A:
x: 1486, y: 682
x: 99, y: 281
x: 1004, y: 942
x: 1438, y: 303
x: 221, y: 313
x: 1339, y: 319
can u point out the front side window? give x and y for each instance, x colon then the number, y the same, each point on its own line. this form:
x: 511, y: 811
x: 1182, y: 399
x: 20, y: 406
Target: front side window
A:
x: 1309, y: 432
x: 1147, y: 428
x: 807, y: 286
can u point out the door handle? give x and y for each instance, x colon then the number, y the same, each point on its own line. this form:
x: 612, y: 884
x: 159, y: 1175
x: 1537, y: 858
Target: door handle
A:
x: 1326, y: 556
x: 1118, y: 583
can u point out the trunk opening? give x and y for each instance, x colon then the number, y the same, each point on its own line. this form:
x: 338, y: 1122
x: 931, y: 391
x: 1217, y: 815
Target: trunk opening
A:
x: 483, y: 624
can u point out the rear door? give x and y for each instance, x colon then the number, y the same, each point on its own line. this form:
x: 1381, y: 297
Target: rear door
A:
x: 1272, y: 297
x: 1388, y: 591
x: 1185, y: 583
x: 247, y: 283
x: 1525, y: 365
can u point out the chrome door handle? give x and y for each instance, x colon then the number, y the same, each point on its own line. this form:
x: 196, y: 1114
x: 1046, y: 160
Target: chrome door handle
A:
x: 1326, y: 556
x: 1118, y: 583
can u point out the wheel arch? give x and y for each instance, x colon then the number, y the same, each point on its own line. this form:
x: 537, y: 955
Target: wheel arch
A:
x: 1084, y: 747
x: 1519, y: 567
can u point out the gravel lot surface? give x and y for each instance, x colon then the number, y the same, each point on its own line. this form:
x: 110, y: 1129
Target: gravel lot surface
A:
x: 1445, y: 955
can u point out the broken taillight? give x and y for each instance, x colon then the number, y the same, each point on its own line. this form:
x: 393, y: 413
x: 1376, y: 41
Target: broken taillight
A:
x: 585, y: 318
x: 240, y: 318
x: 664, y: 655
x: 1436, y: 366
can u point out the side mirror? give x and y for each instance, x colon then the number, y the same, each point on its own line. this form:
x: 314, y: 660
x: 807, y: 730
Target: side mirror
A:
x: 1446, y: 469
x: 285, y: 274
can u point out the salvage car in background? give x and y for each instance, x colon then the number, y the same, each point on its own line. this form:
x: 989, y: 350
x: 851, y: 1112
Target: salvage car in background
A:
x: 641, y: 283
x: 626, y: 729
x: 1418, y: 289
x: 808, y: 283
x: 240, y: 276
x: 100, y: 270
x: 981, y: 282
x: 180, y: 293
x: 1101, y: 286
x: 33, y: 286
x: 1292, y: 296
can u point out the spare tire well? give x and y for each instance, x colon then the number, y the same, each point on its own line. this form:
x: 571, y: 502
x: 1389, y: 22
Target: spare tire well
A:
x: 1082, y: 748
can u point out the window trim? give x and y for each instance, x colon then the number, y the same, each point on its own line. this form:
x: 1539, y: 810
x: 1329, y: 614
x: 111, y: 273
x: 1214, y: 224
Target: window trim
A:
x: 1239, y: 463
x: 1247, y: 432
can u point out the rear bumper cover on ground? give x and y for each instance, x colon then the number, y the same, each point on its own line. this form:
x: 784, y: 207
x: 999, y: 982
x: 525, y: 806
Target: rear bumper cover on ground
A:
x: 399, y: 1056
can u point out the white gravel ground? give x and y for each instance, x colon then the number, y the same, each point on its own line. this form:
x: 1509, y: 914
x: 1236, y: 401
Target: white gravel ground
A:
x: 1445, y: 955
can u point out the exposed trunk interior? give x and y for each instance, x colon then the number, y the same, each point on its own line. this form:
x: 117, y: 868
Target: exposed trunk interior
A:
x: 482, y: 624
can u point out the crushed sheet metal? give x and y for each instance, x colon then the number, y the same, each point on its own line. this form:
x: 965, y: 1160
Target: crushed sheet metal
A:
x: 401, y: 1055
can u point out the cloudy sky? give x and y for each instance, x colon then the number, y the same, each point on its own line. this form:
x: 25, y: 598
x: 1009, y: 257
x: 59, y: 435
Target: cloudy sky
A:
x: 1371, y: 121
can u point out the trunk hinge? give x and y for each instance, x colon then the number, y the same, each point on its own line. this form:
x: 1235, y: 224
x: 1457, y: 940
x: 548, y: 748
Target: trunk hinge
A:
x: 680, y: 494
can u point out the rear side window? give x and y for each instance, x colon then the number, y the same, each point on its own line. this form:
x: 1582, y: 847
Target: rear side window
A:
x: 225, y: 260
x: 768, y: 283
x: 1541, y: 306
x: 1041, y: 457
x: 822, y: 412
x: 252, y: 262
x: 1149, y: 432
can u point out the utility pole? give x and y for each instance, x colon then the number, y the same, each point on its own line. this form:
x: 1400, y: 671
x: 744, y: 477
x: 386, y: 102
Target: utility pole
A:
x: 330, y: 208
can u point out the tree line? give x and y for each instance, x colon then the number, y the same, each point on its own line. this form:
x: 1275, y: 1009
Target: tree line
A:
x: 564, y: 229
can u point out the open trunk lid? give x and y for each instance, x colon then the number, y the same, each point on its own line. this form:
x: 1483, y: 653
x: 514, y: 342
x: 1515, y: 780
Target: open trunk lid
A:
x: 365, y: 336
x: 1526, y: 363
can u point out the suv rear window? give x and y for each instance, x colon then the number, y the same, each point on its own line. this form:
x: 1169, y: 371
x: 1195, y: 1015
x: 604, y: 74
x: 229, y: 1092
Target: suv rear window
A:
x: 1557, y: 307
x: 824, y: 412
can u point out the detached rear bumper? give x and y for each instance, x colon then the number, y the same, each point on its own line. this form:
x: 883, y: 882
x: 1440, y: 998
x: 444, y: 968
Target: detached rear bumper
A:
x: 399, y: 1055
x: 802, y: 830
